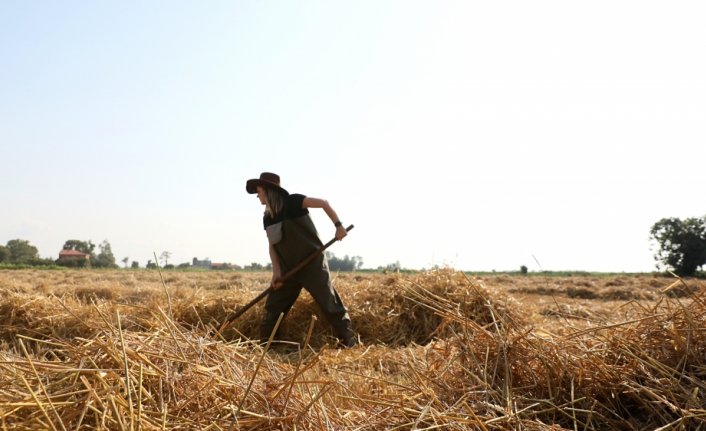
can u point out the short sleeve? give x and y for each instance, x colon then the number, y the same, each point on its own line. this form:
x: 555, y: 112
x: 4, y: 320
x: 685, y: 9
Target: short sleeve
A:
x: 295, y: 203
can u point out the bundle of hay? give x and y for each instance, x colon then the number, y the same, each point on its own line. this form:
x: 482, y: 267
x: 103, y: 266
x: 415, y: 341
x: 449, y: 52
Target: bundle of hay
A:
x: 440, y: 351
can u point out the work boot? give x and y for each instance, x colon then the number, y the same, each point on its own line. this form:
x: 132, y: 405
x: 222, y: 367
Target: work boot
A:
x: 347, y: 338
x: 349, y: 341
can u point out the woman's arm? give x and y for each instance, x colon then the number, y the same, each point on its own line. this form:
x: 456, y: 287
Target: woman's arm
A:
x: 330, y: 212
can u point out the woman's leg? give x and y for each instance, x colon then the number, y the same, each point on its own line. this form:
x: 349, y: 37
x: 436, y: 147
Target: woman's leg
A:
x: 278, y: 301
x: 317, y: 281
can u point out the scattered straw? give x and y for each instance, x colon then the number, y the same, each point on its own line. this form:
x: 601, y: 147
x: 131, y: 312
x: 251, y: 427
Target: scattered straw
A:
x: 440, y: 351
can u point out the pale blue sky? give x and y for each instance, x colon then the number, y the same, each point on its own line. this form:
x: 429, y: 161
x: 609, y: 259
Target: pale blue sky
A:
x: 479, y: 135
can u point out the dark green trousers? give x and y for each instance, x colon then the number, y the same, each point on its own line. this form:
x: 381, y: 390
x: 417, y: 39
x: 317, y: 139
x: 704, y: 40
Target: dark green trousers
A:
x: 316, y: 279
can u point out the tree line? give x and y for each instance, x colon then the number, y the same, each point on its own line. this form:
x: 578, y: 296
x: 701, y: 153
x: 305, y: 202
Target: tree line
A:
x: 21, y: 252
x: 680, y: 247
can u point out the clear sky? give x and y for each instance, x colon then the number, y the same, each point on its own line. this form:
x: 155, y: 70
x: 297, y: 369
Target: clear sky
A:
x: 477, y: 135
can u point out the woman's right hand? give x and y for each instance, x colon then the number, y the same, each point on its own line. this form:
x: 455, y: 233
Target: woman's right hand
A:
x: 276, y: 280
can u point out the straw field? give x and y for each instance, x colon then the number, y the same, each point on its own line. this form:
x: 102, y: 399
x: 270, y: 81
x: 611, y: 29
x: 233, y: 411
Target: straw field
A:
x: 129, y: 350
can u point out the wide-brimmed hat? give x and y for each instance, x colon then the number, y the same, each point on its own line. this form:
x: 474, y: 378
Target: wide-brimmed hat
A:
x: 267, y: 179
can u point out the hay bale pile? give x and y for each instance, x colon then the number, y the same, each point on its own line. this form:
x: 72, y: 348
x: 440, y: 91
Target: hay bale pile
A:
x: 440, y: 351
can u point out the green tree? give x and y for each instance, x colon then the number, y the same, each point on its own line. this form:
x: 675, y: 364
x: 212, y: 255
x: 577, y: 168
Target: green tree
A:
x: 343, y: 264
x: 681, y: 244
x: 4, y: 254
x: 391, y: 267
x: 165, y: 257
x: 21, y: 251
x: 105, y: 258
x: 135, y: 264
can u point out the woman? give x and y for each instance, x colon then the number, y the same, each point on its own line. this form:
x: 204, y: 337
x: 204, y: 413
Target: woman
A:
x: 293, y: 237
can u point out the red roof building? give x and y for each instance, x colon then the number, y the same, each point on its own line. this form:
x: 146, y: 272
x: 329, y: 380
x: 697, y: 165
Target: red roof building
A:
x: 73, y: 255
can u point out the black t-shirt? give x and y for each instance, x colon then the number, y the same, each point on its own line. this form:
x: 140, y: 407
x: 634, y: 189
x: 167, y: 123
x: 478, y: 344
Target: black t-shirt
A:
x: 292, y: 233
x: 292, y: 209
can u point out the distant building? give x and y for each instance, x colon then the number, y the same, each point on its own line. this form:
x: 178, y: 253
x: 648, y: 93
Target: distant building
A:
x: 201, y: 263
x: 207, y: 264
x: 73, y: 258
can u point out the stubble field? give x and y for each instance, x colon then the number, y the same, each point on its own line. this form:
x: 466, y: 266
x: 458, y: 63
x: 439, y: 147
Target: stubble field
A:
x: 132, y: 350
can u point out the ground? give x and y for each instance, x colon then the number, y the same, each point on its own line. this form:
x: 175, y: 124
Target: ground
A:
x: 121, y: 349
